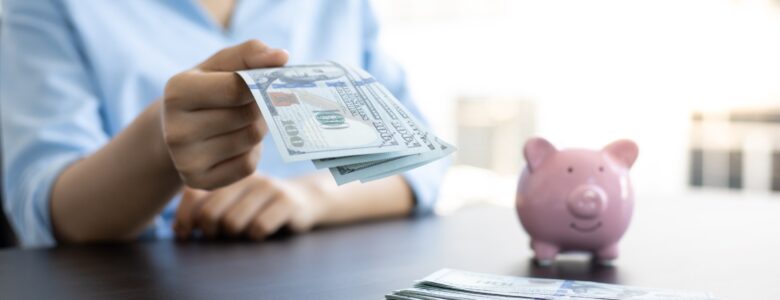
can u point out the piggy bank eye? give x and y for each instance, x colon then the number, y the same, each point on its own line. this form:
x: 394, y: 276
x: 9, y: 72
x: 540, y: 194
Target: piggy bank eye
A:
x: 601, y: 168
x: 570, y: 170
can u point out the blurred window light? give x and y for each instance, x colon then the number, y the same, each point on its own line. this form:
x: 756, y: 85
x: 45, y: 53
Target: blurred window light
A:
x: 601, y: 70
x: 736, y: 149
x: 492, y: 131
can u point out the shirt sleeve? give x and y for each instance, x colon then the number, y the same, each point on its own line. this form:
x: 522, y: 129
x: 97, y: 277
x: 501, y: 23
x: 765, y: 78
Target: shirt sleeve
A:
x: 50, y: 112
x: 425, y: 180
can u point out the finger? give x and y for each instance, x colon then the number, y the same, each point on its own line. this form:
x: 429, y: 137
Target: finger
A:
x: 228, y: 171
x: 251, y: 54
x: 183, y: 223
x: 194, y: 90
x: 239, y: 216
x: 211, y: 211
x: 220, y: 121
x: 270, y: 218
x: 203, y: 156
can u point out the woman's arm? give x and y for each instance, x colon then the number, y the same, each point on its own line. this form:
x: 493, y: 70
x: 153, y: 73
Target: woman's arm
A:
x: 388, y: 197
x: 258, y: 205
x: 115, y: 192
x: 204, y: 132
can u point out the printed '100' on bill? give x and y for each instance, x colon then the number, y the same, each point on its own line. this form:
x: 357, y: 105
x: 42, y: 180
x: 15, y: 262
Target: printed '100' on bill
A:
x: 319, y: 111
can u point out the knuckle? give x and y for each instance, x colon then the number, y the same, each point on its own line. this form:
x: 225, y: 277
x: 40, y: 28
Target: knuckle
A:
x: 190, y: 180
x: 219, y: 53
x: 253, y: 134
x: 174, y: 88
x: 262, y: 183
x: 257, y: 186
x: 299, y: 226
x: 232, y: 226
x: 211, y: 185
x: 251, y: 113
x: 267, y: 229
x: 279, y: 58
x: 198, y: 181
x: 174, y: 137
x: 208, y: 216
x: 243, y: 93
x: 285, y: 201
x: 187, y: 197
x: 254, y: 45
x: 238, y: 92
x: 246, y: 167
x: 191, y: 168
x: 279, y: 191
x: 259, y: 230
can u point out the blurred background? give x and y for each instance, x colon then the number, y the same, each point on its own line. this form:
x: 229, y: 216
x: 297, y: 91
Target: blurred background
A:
x: 693, y: 82
x: 696, y: 83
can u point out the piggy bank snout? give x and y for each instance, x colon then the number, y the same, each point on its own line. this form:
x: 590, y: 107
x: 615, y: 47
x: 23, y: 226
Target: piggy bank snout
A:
x: 586, y: 201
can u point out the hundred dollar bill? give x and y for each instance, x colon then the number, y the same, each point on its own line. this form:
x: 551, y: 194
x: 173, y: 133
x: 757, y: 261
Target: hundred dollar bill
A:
x: 414, y: 162
x: 341, y: 118
x: 379, y: 169
x: 371, y: 167
x: 507, y: 286
x: 440, y: 293
x: 319, y: 111
x: 415, y: 135
x: 399, y: 297
x: 356, y: 159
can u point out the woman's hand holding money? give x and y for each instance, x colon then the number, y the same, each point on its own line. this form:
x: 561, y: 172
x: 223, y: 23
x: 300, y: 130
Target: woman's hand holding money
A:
x: 211, y: 124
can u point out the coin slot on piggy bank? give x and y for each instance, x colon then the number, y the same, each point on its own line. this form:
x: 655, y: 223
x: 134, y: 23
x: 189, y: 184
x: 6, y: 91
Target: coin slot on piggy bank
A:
x: 576, y: 199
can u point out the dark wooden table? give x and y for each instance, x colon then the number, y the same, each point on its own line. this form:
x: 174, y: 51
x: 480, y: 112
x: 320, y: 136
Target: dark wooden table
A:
x: 728, y: 247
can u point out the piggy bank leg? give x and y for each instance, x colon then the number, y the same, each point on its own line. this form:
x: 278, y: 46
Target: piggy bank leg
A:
x: 544, y: 252
x: 606, y: 255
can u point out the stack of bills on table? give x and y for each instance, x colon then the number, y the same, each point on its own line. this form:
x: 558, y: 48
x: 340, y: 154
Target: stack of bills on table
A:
x: 341, y: 118
x: 462, y: 285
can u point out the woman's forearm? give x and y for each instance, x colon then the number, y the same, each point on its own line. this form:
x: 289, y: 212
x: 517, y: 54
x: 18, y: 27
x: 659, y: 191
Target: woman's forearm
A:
x: 384, y: 198
x: 115, y: 192
x: 204, y: 132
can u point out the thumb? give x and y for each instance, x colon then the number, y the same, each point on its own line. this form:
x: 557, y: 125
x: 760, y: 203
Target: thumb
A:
x: 251, y: 54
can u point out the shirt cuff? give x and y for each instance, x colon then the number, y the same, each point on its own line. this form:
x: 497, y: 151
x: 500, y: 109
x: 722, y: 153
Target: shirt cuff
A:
x: 27, y: 202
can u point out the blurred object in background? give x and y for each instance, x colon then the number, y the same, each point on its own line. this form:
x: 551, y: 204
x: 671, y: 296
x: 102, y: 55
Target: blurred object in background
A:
x: 737, y: 149
x: 492, y: 131
x: 592, y: 72
x: 441, y: 10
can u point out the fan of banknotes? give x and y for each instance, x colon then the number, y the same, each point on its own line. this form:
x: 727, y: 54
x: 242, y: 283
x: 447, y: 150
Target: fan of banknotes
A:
x: 341, y: 118
x: 462, y: 285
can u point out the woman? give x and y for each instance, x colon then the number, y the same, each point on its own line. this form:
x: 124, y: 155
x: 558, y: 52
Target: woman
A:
x: 109, y: 109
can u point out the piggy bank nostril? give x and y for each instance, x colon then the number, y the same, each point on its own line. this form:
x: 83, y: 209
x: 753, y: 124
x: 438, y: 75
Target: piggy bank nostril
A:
x: 586, y: 202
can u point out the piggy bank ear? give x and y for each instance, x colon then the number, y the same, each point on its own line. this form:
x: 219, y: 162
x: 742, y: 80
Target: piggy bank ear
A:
x: 536, y: 151
x: 625, y: 151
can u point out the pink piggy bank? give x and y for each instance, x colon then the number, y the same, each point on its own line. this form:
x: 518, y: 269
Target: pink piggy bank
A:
x: 576, y: 199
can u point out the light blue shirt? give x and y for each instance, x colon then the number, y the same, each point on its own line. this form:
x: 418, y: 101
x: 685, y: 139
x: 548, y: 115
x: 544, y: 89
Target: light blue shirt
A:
x: 75, y: 73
